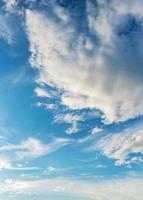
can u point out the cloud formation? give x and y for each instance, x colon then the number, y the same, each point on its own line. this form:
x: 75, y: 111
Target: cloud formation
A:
x: 70, y: 118
x: 33, y: 148
x: 96, y: 63
x: 6, y: 32
x: 124, y: 147
x: 10, y: 4
x: 4, y: 163
x: 127, y: 188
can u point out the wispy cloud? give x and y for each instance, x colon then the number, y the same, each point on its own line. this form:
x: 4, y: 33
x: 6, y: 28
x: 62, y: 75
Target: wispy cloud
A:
x: 41, y: 92
x: 96, y: 130
x: 33, y: 148
x: 125, y: 147
x: 6, y: 32
x: 70, y: 118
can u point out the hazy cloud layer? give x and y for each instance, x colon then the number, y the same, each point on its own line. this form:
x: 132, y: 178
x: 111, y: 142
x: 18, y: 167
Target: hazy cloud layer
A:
x: 127, y: 188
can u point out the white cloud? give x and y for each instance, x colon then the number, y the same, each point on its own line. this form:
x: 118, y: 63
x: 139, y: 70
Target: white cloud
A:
x: 50, y: 170
x: 61, y: 13
x: 72, y: 119
x: 41, y: 92
x: 69, y: 117
x: 125, y: 147
x: 96, y: 130
x: 73, y: 129
x: 48, y: 106
x: 8, y: 181
x: 33, y: 148
x: 126, y: 188
x: 4, y: 163
x: 92, y: 75
x: 23, y: 168
x: 10, y: 4
x: 6, y: 32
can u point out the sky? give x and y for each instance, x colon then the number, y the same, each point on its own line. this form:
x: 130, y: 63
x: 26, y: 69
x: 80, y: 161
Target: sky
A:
x: 71, y: 99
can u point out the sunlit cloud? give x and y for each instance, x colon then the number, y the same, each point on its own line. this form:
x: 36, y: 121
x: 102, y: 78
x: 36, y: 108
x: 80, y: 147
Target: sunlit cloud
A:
x: 94, y: 71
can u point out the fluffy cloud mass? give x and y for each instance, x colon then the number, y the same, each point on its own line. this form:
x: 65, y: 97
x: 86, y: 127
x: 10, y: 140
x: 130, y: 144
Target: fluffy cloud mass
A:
x: 96, y: 62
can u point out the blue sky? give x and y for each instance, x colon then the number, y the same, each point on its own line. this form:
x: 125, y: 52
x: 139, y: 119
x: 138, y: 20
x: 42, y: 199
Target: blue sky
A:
x: 71, y: 109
